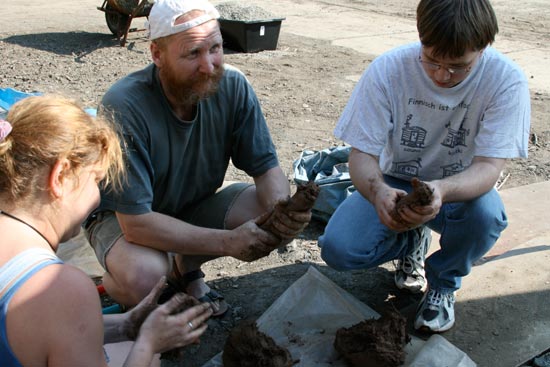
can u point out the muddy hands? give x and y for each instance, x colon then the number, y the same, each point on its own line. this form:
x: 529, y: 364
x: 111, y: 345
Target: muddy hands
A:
x: 421, y: 195
x: 287, y: 219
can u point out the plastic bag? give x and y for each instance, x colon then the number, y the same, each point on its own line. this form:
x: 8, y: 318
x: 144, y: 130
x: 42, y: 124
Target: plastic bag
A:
x: 329, y: 169
x: 438, y: 352
x: 8, y: 97
x: 304, y: 320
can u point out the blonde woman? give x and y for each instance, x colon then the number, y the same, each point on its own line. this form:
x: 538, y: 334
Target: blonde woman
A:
x: 53, y: 157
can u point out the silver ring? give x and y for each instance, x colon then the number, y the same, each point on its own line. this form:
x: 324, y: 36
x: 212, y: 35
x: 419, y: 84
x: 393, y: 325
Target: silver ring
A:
x: 190, y: 325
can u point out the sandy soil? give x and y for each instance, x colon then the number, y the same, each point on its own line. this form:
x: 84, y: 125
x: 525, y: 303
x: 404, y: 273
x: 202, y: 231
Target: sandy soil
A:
x: 57, y: 46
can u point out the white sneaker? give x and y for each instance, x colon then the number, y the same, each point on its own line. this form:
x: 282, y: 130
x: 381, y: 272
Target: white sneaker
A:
x: 409, y: 273
x: 436, y: 312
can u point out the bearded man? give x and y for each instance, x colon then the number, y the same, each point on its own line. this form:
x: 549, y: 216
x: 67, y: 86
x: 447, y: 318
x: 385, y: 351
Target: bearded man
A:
x: 183, y: 118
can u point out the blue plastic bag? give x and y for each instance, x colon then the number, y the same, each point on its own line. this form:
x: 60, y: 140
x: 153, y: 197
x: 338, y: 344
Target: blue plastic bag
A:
x: 9, y: 96
x: 329, y: 169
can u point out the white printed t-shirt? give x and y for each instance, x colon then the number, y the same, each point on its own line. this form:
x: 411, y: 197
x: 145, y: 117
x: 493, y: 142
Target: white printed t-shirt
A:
x: 421, y: 130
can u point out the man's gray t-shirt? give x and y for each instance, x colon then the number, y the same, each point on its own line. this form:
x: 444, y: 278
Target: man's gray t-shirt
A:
x: 172, y: 164
x: 420, y: 130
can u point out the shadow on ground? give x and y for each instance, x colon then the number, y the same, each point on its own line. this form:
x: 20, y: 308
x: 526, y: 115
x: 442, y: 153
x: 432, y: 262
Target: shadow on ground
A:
x: 65, y: 43
x: 514, y: 252
x: 75, y: 43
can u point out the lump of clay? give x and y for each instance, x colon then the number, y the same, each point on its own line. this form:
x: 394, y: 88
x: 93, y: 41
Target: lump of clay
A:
x: 374, y: 343
x: 246, y: 346
x: 302, y: 200
x: 421, y: 195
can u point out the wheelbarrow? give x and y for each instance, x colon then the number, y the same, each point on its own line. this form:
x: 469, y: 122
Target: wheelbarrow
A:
x: 120, y: 13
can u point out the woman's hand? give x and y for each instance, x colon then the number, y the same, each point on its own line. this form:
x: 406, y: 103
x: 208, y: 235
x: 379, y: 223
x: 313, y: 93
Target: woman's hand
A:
x: 138, y: 314
x: 167, y: 328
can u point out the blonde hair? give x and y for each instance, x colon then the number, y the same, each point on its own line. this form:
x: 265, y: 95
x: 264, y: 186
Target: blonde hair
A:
x: 46, y: 129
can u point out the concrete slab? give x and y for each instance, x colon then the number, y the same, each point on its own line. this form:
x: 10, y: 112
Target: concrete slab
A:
x: 527, y: 208
x: 502, y: 308
x: 502, y: 312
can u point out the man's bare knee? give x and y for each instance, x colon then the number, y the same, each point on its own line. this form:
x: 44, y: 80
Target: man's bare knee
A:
x: 245, y: 208
x: 133, y: 272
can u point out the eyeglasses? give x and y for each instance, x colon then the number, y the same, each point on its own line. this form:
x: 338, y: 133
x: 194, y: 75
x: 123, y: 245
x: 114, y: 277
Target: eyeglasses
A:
x: 457, y: 71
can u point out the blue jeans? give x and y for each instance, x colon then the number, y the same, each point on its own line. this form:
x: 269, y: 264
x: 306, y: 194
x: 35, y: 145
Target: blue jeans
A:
x: 355, y: 238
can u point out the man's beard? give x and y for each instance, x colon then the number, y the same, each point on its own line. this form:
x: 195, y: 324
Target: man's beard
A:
x: 190, y: 92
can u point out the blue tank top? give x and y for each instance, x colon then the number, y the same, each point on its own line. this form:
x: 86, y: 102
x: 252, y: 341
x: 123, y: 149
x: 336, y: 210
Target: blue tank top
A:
x: 12, y: 276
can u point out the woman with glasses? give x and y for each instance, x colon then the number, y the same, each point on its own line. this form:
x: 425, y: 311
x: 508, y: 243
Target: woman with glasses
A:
x: 448, y: 110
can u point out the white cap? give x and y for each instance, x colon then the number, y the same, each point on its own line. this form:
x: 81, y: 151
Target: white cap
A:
x: 164, y: 14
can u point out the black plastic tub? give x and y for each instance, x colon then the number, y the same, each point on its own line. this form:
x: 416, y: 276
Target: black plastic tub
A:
x: 250, y: 35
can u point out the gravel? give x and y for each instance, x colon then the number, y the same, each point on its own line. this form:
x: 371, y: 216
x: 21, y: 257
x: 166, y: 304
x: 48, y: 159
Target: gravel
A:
x: 234, y: 11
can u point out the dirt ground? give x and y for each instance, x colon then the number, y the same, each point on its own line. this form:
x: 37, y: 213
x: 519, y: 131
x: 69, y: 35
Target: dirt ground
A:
x: 56, y: 47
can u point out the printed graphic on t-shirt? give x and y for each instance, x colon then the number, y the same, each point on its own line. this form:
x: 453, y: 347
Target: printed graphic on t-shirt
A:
x: 413, y: 136
x: 410, y: 168
x: 417, y: 139
x: 454, y: 137
x: 452, y: 169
